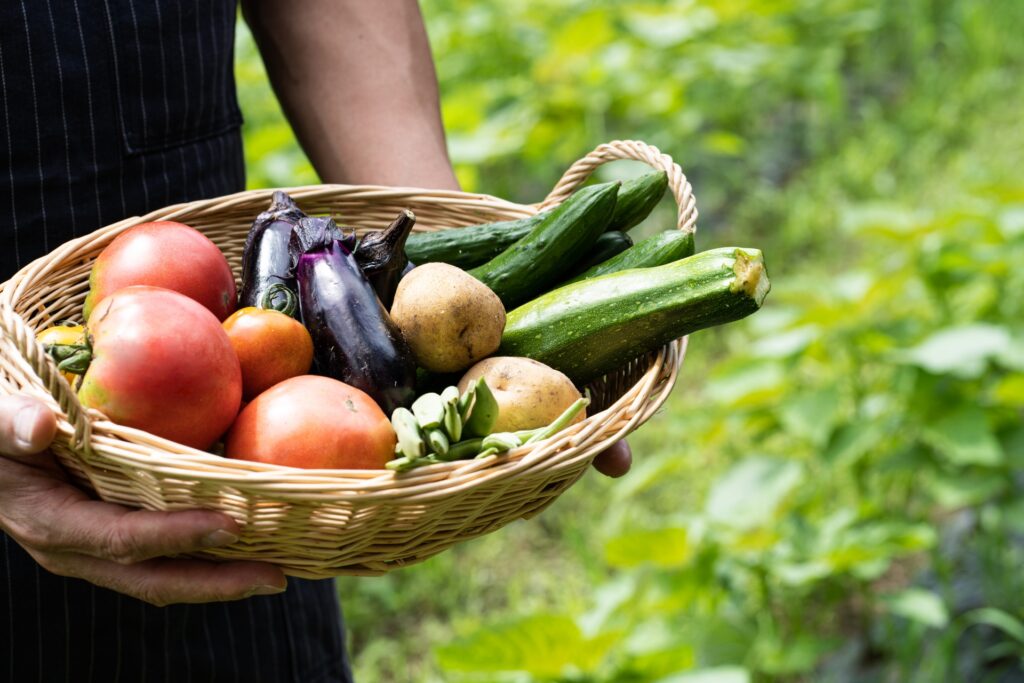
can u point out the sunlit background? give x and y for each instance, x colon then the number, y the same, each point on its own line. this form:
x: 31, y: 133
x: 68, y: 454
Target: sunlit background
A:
x: 833, y: 491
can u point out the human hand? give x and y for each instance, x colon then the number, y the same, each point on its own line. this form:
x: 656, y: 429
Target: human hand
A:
x: 112, y: 546
x: 615, y: 461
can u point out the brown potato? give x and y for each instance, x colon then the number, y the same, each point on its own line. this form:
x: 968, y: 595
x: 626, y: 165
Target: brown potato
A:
x: 529, y: 393
x: 450, y: 319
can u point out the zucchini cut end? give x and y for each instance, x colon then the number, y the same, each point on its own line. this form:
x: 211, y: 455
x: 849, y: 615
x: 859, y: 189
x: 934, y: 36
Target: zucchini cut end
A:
x: 751, y: 277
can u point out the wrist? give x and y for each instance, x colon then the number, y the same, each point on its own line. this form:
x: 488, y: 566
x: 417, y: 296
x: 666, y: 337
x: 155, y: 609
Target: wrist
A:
x: 391, y: 164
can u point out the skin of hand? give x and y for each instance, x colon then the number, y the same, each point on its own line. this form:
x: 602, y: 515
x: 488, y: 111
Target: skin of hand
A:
x: 70, y: 534
x: 356, y: 80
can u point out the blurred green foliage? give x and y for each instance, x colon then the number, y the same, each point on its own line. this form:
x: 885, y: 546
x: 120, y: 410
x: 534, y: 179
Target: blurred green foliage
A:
x: 832, y: 492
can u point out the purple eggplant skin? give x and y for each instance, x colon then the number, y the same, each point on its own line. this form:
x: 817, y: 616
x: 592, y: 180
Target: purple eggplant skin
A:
x: 267, y: 259
x: 381, y: 255
x: 354, y: 338
x: 408, y: 269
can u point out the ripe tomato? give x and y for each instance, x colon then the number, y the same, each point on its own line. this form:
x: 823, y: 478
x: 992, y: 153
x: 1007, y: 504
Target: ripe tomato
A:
x: 169, y: 255
x: 271, y: 347
x: 315, y: 423
x: 161, y: 362
x: 62, y: 333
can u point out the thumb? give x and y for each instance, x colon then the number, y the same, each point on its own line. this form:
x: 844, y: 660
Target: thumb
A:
x: 26, y: 425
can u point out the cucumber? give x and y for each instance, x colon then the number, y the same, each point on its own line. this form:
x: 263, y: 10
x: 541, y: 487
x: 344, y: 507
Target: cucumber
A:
x: 656, y: 250
x: 637, y: 199
x: 469, y: 247
x: 535, y: 263
x: 609, y: 244
x: 591, y: 327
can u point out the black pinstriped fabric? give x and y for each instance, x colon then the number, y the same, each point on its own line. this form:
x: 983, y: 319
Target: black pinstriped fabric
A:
x: 108, y: 109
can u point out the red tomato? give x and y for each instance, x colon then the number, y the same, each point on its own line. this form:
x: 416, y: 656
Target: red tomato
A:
x: 169, y: 255
x: 271, y: 347
x: 161, y: 362
x: 315, y: 423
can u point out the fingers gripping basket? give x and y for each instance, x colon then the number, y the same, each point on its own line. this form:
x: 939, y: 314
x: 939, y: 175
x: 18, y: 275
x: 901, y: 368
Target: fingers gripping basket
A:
x: 321, y: 523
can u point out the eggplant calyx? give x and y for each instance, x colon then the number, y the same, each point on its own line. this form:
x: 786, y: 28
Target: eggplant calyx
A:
x: 281, y: 298
x: 314, y: 232
x: 380, y: 248
x: 281, y: 202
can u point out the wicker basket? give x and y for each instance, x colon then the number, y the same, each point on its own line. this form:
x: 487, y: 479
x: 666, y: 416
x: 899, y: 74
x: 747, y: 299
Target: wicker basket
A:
x: 321, y: 523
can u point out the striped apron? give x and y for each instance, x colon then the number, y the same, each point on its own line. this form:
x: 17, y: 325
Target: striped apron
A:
x: 109, y: 109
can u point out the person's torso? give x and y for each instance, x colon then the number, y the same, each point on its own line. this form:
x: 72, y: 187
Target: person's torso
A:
x: 111, y: 109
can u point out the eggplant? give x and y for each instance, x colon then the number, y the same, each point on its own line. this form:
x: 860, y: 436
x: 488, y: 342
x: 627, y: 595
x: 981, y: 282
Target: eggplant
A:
x: 354, y: 338
x: 268, y: 262
x: 315, y: 233
x: 381, y: 255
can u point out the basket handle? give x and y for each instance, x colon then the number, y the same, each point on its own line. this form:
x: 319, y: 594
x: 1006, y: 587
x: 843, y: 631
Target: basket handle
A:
x: 638, y: 151
x: 21, y: 336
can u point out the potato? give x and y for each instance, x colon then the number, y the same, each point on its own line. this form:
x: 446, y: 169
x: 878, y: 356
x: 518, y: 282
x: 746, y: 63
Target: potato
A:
x: 450, y: 319
x: 529, y: 393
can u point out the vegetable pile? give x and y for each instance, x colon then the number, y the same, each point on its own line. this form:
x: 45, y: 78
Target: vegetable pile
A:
x: 396, y: 350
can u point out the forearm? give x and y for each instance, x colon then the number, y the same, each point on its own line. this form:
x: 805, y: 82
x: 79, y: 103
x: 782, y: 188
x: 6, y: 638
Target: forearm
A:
x: 357, y: 82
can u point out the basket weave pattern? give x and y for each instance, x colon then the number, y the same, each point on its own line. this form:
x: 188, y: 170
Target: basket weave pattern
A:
x: 322, y: 523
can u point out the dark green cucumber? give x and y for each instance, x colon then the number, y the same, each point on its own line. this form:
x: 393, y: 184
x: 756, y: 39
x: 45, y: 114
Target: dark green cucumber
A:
x: 536, y: 262
x: 656, y: 250
x: 637, y: 199
x: 609, y: 244
x: 591, y: 327
x: 469, y: 247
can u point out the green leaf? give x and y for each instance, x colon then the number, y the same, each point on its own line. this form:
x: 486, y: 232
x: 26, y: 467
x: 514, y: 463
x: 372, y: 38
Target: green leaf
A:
x: 750, y: 493
x: 959, y: 489
x: 887, y: 220
x: 1013, y: 446
x: 965, y: 438
x: 1012, y: 515
x: 852, y: 441
x: 720, y: 674
x: 811, y: 416
x: 667, y: 547
x: 1009, y: 391
x: 791, y: 655
x: 666, y: 29
x: 802, y: 573
x: 785, y: 344
x: 920, y: 605
x: 663, y: 662
x: 724, y: 143
x: 997, y: 618
x: 960, y: 351
x: 607, y: 599
x: 541, y: 645
x: 1012, y: 356
x: 746, y: 383
x: 1011, y: 221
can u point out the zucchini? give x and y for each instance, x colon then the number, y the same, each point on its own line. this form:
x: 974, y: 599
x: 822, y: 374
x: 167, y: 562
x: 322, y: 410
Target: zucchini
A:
x: 637, y: 199
x: 535, y: 262
x: 469, y: 247
x: 591, y: 327
x: 656, y: 250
